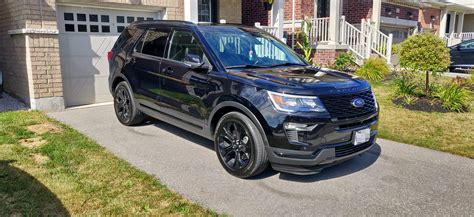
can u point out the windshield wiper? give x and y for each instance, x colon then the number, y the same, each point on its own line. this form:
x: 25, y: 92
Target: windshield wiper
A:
x: 287, y: 64
x: 246, y: 67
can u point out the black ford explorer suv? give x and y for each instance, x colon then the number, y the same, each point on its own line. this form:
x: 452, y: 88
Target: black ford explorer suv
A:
x: 258, y: 100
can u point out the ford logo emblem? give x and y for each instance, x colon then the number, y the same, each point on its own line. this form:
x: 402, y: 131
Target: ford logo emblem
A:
x: 358, y: 102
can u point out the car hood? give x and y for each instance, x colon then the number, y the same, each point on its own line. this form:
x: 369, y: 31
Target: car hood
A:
x: 302, y: 80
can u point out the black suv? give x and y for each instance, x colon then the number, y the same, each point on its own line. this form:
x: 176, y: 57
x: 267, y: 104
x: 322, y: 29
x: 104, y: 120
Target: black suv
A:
x: 258, y: 100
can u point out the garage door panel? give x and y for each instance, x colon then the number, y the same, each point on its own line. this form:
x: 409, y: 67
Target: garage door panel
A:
x: 85, y: 36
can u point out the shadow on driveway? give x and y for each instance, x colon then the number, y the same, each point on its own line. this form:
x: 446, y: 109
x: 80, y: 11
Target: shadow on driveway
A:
x: 348, y: 167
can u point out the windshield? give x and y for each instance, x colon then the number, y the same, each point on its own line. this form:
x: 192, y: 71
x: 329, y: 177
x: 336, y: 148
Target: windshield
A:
x: 242, y: 47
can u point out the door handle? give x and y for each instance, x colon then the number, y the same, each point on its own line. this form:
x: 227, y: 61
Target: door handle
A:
x: 167, y: 70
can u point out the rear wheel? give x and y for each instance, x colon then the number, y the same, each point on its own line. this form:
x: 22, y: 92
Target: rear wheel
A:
x: 239, y: 146
x: 125, y: 107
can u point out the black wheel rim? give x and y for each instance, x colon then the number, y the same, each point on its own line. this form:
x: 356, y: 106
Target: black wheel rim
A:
x: 234, y: 145
x: 123, y: 106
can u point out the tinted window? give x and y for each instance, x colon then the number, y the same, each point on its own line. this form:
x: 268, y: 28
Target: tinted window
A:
x: 94, y: 28
x: 155, y: 42
x: 184, y: 44
x: 69, y: 27
x: 81, y: 17
x: 120, y: 29
x: 104, y: 18
x: 106, y: 29
x: 130, y: 19
x: 82, y: 28
x: 68, y: 16
x: 120, y: 19
x: 93, y: 18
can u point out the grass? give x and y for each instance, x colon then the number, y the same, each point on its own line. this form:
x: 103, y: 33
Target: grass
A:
x: 449, y: 132
x: 62, y: 172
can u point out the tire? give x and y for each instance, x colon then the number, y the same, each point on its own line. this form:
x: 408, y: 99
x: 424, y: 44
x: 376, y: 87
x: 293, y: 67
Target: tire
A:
x: 245, y: 144
x: 125, y: 107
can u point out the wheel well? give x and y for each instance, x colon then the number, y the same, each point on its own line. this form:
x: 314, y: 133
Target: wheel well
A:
x: 221, y: 112
x: 117, y: 80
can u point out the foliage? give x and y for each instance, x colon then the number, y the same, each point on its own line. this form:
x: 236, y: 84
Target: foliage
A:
x: 396, y: 48
x: 454, y: 97
x: 344, y: 62
x: 425, y: 52
x: 374, y: 69
x: 405, y: 85
x: 306, y: 46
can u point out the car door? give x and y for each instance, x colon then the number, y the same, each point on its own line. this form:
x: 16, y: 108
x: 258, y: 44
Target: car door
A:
x: 183, y: 88
x: 466, y: 54
x: 146, y: 58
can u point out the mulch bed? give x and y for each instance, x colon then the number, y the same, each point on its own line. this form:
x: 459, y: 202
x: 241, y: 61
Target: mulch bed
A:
x: 422, y: 104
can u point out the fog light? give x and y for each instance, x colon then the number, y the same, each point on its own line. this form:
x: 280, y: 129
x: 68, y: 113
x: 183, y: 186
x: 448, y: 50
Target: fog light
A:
x: 295, y: 130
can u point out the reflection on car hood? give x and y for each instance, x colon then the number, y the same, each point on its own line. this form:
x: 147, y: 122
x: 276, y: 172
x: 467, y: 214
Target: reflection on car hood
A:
x: 303, y: 80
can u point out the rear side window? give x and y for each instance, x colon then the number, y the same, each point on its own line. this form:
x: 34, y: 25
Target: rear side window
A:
x: 184, y: 44
x: 126, y: 35
x: 154, y: 43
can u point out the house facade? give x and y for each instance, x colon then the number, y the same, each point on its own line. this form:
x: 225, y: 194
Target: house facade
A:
x: 54, y: 52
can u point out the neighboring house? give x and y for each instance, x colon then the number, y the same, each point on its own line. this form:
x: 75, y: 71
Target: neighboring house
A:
x: 342, y: 25
x: 54, y: 52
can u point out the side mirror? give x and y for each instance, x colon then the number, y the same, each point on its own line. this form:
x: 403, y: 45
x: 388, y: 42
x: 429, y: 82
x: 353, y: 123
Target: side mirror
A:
x: 196, y: 63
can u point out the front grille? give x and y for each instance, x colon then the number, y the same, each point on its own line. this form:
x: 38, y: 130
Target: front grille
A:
x: 340, y: 106
x: 357, y: 124
x: 349, y: 149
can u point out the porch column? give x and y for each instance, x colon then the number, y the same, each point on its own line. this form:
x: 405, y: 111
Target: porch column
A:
x: 376, y: 11
x: 443, y: 22
x: 452, y: 23
x: 334, y: 18
x: 191, y: 10
x: 460, y: 23
x: 278, y: 16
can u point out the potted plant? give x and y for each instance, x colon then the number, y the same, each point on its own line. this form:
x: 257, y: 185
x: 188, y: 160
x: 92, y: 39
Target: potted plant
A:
x: 267, y: 4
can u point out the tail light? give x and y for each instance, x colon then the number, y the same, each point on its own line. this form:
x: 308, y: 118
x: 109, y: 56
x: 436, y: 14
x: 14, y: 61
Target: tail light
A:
x: 109, y: 55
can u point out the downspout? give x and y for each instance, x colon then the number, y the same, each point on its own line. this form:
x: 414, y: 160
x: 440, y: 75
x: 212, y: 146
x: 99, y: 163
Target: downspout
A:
x: 293, y: 5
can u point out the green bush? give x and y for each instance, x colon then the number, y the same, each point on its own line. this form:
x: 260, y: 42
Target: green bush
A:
x: 396, y: 48
x: 345, y: 62
x: 425, y: 53
x: 454, y: 97
x: 373, y: 69
x: 305, y: 44
x: 405, y: 86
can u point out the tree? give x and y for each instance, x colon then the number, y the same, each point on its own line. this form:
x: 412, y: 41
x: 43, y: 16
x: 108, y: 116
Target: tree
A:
x: 425, y: 53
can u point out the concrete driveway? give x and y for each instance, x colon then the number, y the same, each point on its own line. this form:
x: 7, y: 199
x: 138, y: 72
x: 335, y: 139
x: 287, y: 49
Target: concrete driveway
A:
x: 392, y: 178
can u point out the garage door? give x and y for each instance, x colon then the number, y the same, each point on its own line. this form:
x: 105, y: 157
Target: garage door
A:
x: 85, y: 37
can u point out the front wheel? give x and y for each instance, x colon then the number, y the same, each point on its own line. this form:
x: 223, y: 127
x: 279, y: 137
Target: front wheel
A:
x: 239, y: 146
x: 125, y: 107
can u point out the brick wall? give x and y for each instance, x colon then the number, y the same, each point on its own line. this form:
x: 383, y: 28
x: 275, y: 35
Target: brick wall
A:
x: 400, y: 12
x: 253, y: 11
x: 13, y: 50
x: 303, y: 8
x: 326, y: 57
x: 356, y: 10
x: 230, y: 10
x: 429, y: 18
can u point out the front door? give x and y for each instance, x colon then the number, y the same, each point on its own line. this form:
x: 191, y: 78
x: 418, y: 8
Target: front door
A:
x: 183, y: 89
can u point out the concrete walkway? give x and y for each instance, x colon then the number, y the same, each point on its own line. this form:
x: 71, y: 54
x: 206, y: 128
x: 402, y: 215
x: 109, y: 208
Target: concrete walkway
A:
x: 392, y: 178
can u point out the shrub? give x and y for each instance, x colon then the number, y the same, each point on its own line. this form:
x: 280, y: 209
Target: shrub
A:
x: 453, y: 97
x: 306, y: 46
x: 426, y: 53
x: 344, y: 62
x: 396, y: 48
x: 373, y: 69
x: 405, y: 86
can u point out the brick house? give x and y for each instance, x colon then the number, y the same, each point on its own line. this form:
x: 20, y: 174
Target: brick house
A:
x: 391, y: 21
x: 54, y: 52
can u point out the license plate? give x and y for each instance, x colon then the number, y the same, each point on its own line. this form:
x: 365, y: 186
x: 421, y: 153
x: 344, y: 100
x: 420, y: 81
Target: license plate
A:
x: 361, y: 136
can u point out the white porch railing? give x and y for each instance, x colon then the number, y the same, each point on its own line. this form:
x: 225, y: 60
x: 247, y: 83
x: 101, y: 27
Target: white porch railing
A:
x: 319, y: 30
x: 456, y: 38
x: 380, y: 43
x: 354, y: 39
x: 466, y: 36
x: 269, y: 29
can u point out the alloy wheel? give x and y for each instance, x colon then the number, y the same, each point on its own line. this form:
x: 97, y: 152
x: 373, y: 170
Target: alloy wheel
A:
x: 234, y: 145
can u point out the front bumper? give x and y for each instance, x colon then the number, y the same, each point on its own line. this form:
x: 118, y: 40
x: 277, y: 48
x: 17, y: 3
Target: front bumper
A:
x: 331, y: 142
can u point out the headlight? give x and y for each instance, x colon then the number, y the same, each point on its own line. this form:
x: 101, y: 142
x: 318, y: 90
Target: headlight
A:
x: 295, y: 103
x: 375, y: 100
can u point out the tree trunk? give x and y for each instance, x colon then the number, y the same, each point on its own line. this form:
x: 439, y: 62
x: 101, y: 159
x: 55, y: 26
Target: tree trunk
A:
x: 427, y: 84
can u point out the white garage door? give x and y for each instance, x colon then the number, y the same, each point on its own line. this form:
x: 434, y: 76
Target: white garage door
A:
x: 85, y: 37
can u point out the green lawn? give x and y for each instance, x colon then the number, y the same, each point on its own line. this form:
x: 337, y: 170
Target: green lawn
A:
x: 449, y: 132
x: 47, y: 168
